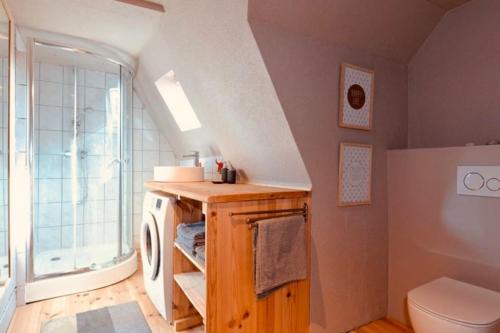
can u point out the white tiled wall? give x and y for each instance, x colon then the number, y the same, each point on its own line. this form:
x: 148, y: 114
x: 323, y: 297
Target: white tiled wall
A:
x: 150, y: 149
x: 97, y: 215
x: 98, y: 146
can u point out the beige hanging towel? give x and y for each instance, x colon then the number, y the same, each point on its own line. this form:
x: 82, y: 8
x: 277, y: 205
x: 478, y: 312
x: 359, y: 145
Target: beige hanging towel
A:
x: 279, y: 253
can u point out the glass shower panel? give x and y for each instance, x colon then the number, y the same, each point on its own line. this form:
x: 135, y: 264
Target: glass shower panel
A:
x: 77, y: 163
x: 126, y: 221
x: 56, y: 165
x: 101, y: 136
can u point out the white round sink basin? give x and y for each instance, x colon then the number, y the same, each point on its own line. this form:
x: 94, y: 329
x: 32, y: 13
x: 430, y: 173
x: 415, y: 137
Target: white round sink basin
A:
x: 178, y: 174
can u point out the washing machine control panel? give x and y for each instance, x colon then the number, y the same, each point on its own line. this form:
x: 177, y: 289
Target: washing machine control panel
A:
x: 158, y: 203
x: 481, y: 181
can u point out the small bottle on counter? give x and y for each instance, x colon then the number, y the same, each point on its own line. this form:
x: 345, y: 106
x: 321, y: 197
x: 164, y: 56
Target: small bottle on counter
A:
x: 231, y: 174
x: 223, y: 173
x: 218, y: 177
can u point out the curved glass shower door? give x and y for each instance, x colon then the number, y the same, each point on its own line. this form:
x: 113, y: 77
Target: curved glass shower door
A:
x: 81, y: 162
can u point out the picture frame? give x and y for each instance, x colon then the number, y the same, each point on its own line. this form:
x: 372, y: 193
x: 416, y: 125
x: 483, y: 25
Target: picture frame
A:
x: 356, y: 95
x: 355, y: 174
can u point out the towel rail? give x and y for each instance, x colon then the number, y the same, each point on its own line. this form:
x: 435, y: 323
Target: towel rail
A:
x: 282, y: 213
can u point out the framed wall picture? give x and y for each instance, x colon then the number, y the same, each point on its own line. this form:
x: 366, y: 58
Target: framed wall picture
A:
x: 355, y: 174
x: 357, y: 87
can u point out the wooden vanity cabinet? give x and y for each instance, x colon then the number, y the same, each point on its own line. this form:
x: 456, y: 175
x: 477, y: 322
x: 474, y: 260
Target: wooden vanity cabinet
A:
x: 220, y: 294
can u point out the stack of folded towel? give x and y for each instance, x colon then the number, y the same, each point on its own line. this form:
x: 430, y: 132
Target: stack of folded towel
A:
x: 191, y: 237
x: 200, y: 253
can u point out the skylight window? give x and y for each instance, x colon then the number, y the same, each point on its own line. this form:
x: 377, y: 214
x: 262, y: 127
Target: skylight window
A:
x: 178, y: 104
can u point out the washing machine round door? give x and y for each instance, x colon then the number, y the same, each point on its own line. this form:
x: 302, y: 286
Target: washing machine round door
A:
x: 150, y: 247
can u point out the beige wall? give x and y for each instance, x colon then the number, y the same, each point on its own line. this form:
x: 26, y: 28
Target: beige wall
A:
x: 349, y: 269
x: 434, y: 232
x: 454, y: 79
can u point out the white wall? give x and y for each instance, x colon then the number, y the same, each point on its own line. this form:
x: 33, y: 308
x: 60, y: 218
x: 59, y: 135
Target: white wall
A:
x: 212, y: 50
x: 150, y: 149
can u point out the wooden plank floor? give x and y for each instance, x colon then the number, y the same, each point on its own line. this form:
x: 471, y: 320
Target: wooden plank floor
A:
x: 382, y: 326
x: 28, y: 318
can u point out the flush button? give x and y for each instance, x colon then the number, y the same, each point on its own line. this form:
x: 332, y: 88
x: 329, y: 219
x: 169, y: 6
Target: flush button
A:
x: 480, y: 180
x: 474, y: 181
x: 493, y: 184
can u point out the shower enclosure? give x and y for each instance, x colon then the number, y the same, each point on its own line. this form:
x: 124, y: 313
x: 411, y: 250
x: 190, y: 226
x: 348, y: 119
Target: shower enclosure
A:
x: 81, y: 143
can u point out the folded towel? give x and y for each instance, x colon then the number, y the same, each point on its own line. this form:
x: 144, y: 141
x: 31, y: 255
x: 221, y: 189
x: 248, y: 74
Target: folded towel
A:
x: 192, y: 242
x: 279, y: 253
x: 191, y: 235
x: 200, y: 252
x: 186, y: 247
x: 192, y: 230
x: 199, y: 236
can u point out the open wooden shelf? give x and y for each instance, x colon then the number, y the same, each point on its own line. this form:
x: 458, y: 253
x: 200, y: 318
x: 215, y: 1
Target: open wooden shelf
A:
x: 193, y: 286
x: 199, y: 286
x: 197, y: 263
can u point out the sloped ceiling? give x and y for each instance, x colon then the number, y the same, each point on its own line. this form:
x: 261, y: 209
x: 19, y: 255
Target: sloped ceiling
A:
x: 211, y: 48
x: 391, y: 28
x: 394, y: 29
x: 117, y: 24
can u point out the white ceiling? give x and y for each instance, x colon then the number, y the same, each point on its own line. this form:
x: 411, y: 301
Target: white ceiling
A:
x: 120, y: 25
x: 52, y: 55
x: 391, y: 28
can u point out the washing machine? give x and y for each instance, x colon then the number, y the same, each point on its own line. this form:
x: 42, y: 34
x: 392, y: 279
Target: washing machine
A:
x: 156, y: 250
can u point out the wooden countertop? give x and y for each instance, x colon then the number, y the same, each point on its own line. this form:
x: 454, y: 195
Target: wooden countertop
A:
x: 213, y: 193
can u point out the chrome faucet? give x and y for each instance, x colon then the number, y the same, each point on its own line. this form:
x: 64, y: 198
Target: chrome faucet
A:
x: 196, y: 157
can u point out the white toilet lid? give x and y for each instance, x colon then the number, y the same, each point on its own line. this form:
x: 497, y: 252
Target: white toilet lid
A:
x: 458, y: 301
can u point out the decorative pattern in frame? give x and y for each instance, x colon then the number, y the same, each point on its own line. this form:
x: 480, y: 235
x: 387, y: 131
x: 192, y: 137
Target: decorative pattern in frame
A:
x: 357, y: 87
x: 355, y: 173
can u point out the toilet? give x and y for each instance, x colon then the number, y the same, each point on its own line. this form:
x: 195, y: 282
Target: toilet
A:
x: 450, y: 306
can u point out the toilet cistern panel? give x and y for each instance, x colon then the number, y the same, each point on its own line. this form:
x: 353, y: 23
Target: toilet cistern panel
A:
x: 481, y: 181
